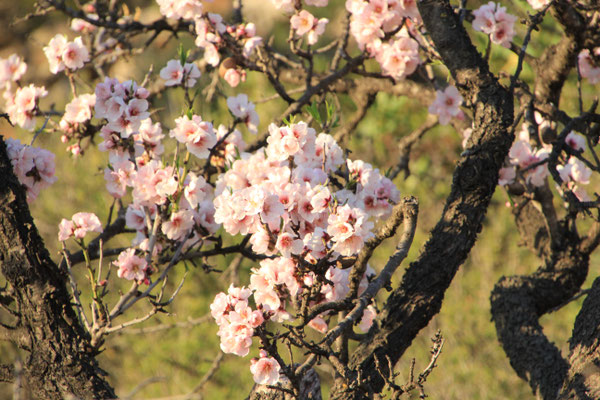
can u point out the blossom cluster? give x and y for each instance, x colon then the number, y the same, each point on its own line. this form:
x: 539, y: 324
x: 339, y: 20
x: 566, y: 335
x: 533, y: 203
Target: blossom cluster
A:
x: 530, y: 161
x: 62, y: 54
x: 372, y: 21
x: 180, y: 9
x: 123, y: 105
x: 492, y: 19
x: 304, y: 23
x: 77, y: 112
x: 33, y: 166
x: 236, y: 320
x: 290, y: 198
x: 176, y: 74
x: 78, y: 226
x: 22, y: 105
x: 21, y: 102
x: 210, y: 30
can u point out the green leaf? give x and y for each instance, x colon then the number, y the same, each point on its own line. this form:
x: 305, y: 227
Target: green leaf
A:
x: 289, y: 120
x: 313, y: 110
x: 183, y: 55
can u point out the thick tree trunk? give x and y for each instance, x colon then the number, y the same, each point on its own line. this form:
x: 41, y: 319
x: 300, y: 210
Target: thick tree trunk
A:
x: 61, y: 361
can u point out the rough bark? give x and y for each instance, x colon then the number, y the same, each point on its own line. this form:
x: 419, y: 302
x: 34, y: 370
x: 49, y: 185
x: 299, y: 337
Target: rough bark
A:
x: 419, y: 297
x: 60, y: 361
x: 583, y: 377
x: 517, y: 304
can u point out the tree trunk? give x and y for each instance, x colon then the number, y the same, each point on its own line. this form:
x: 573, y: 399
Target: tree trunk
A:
x: 60, y: 361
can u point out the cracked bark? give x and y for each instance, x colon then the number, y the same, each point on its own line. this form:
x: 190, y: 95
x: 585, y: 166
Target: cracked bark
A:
x: 583, y: 377
x: 60, y: 362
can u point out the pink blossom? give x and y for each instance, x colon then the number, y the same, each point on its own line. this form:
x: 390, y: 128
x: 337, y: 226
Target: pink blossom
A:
x: 287, y: 244
x: 198, y: 136
x: 180, y: 9
x: 367, y: 319
x: 319, y: 324
x: 250, y: 45
x: 575, y: 170
x: 26, y: 97
x: 400, y: 58
x: 172, y: 73
x: 84, y: 223
x: 190, y: 74
x: 588, y: 68
x: 349, y: 229
x: 79, y: 109
x: 33, y: 166
x: 66, y: 229
x: 75, y: 54
x: 507, y: 175
x: 576, y: 141
x: 243, y: 109
x: 538, y: 4
x: 82, y: 26
x: 135, y: 217
x: 265, y: 370
x: 305, y: 23
x: 232, y: 77
x: 179, y: 225
x: 131, y: 267
x: 54, y: 52
x: 11, y: 70
x: 493, y: 20
x: 317, y: 30
x: 302, y: 22
x: 446, y: 104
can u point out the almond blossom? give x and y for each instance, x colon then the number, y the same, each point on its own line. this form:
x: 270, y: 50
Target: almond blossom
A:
x: 131, y: 267
x: 538, y: 4
x: 174, y: 73
x: 33, y: 166
x: 11, y: 70
x: 80, y: 224
x: 198, y: 135
x: 265, y: 370
x: 305, y: 23
x: 21, y: 106
x: 576, y: 141
x: 493, y: 20
x: 79, y: 110
x: 181, y: 9
x: 446, y: 104
x: 588, y: 67
x: 243, y: 109
x: 62, y: 54
x: 179, y: 225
